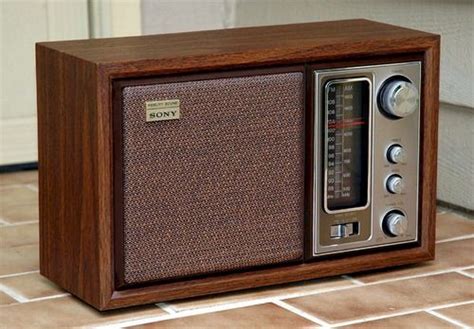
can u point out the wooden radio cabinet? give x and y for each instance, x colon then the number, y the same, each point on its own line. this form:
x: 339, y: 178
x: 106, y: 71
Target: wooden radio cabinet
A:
x: 227, y: 193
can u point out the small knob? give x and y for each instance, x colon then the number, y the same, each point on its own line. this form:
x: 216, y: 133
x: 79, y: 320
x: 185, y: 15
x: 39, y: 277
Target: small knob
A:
x: 395, y: 223
x: 399, y: 98
x: 395, y: 184
x: 396, y: 154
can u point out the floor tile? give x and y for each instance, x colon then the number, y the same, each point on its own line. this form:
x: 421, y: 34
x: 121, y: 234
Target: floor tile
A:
x: 19, y: 259
x: 450, y: 225
x: 16, y: 196
x: 260, y: 316
x: 21, y: 177
x: 387, y: 298
x: 419, y: 320
x: 67, y: 312
x: 280, y: 290
x: 6, y: 299
x: 448, y: 255
x: 19, y: 235
x: 32, y: 285
x: 463, y: 313
x: 20, y: 213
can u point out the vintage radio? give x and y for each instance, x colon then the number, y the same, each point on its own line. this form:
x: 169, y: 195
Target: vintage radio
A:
x: 187, y: 164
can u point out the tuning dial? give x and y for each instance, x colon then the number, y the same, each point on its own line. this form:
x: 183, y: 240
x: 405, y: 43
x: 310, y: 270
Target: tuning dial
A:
x: 396, y: 154
x: 399, y: 98
x: 395, y: 223
x: 395, y: 184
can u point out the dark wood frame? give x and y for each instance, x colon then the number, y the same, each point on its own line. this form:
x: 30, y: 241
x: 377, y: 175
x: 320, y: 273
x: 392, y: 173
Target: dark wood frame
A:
x: 76, y: 143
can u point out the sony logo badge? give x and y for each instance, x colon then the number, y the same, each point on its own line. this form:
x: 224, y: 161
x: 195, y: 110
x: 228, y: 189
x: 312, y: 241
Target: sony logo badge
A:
x: 162, y: 110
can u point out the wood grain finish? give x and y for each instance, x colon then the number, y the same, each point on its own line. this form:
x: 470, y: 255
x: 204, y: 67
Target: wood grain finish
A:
x: 76, y: 141
x: 69, y: 165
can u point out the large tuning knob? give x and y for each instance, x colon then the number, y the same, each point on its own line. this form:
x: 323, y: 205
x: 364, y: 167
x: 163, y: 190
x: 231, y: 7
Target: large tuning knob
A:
x: 399, y: 98
x: 395, y: 223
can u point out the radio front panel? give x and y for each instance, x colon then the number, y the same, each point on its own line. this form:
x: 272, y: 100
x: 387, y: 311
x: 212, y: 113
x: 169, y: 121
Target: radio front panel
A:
x: 366, y: 146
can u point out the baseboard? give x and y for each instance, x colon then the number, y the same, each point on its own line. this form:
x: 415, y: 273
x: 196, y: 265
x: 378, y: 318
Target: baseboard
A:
x: 19, y: 167
x: 456, y: 156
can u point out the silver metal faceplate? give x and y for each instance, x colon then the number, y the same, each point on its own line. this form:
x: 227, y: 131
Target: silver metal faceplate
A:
x: 384, y: 131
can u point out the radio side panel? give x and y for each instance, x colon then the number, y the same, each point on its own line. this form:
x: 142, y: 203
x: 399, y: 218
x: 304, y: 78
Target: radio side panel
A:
x: 71, y: 161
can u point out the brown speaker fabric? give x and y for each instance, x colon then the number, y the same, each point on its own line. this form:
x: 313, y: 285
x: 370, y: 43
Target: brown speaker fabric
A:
x: 219, y: 189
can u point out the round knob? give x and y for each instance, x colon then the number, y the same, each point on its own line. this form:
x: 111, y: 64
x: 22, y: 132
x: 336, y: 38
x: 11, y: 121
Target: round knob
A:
x: 395, y: 184
x: 395, y: 223
x: 396, y: 154
x: 399, y: 98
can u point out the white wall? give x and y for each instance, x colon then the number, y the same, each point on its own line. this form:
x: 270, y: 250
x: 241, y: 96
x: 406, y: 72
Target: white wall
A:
x: 164, y: 16
x: 456, y: 155
x: 22, y: 23
x: 114, y: 18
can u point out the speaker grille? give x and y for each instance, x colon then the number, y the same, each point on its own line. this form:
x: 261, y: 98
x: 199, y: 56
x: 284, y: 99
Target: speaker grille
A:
x: 219, y: 189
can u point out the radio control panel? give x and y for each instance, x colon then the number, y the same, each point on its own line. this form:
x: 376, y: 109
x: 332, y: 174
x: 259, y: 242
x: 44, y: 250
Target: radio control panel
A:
x: 366, y: 146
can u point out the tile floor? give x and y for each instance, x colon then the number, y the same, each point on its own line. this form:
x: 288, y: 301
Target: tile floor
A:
x: 428, y: 295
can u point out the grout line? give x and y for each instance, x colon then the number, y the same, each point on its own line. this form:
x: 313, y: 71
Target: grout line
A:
x: 229, y: 306
x: 307, y: 293
x: 354, y: 286
x: 26, y: 222
x: 447, y: 319
x: 136, y: 322
x: 401, y: 313
x: 31, y: 187
x: 462, y: 237
x: 421, y: 275
x: 440, y: 307
x: 374, y: 318
x: 13, y: 294
x: 264, y: 300
x: 167, y: 308
x: 469, y: 275
x: 47, y: 297
x: 186, y: 313
x: 276, y: 300
x: 17, y: 274
x: 354, y: 281
x: 301, y: 313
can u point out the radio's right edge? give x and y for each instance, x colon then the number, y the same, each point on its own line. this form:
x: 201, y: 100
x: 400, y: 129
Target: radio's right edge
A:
x: 429, y: 148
